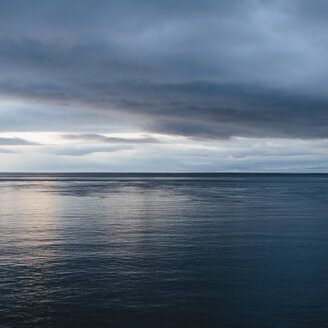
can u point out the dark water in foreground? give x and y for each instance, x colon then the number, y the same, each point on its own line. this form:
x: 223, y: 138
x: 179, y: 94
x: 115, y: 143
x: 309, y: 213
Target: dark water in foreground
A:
x: 113, y: 250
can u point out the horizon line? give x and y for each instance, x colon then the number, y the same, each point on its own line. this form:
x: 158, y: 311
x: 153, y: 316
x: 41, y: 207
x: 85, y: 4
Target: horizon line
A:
x: 161, y: 172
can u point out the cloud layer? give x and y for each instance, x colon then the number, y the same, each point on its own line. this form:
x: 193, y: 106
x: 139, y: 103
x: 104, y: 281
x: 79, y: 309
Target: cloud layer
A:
x: 210, y: 69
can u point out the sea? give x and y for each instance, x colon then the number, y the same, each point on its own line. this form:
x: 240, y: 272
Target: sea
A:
x: 163, y: 250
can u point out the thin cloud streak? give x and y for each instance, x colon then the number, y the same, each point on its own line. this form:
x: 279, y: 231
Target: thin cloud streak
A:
x: 112, y: 140
x: 16, y: 142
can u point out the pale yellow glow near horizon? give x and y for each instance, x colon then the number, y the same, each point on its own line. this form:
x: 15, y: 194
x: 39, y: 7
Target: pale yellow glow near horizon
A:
x: 58, y: 138
x: 169, y: 142
x: 46, y: 138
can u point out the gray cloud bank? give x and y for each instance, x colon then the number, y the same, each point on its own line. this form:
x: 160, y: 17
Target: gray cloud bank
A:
x: 210, y: 69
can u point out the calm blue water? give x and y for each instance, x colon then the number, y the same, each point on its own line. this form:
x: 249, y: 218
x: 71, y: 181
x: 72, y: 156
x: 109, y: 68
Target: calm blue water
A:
x: 149, y: 250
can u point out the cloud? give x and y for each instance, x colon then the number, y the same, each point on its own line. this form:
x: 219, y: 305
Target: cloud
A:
x: 237, y: 154
x: 82, y: 151
x: 6, y: 151
x: 214, y: 69
x: 112, y: 140
x: 16, y: 142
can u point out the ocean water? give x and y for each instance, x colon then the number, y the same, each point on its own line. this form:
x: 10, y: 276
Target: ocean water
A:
x: 163, y: 250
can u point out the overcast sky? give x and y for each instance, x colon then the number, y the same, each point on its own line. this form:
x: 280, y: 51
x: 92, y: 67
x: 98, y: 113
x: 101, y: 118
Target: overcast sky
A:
x: 100, y: 85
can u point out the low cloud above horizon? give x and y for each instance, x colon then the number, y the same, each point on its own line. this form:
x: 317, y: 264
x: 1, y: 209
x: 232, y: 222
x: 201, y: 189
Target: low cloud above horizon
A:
x: 163, y: 85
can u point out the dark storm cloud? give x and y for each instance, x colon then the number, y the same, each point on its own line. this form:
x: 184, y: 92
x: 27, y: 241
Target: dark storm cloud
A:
x: 103, y: 139
x: 210, y: 69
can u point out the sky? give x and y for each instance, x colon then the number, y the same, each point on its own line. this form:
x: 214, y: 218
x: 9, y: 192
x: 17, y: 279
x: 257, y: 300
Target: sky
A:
x: 156, y: 86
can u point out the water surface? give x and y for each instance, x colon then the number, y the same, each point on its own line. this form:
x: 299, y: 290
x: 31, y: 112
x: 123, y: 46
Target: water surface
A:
x: 163, y: 250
